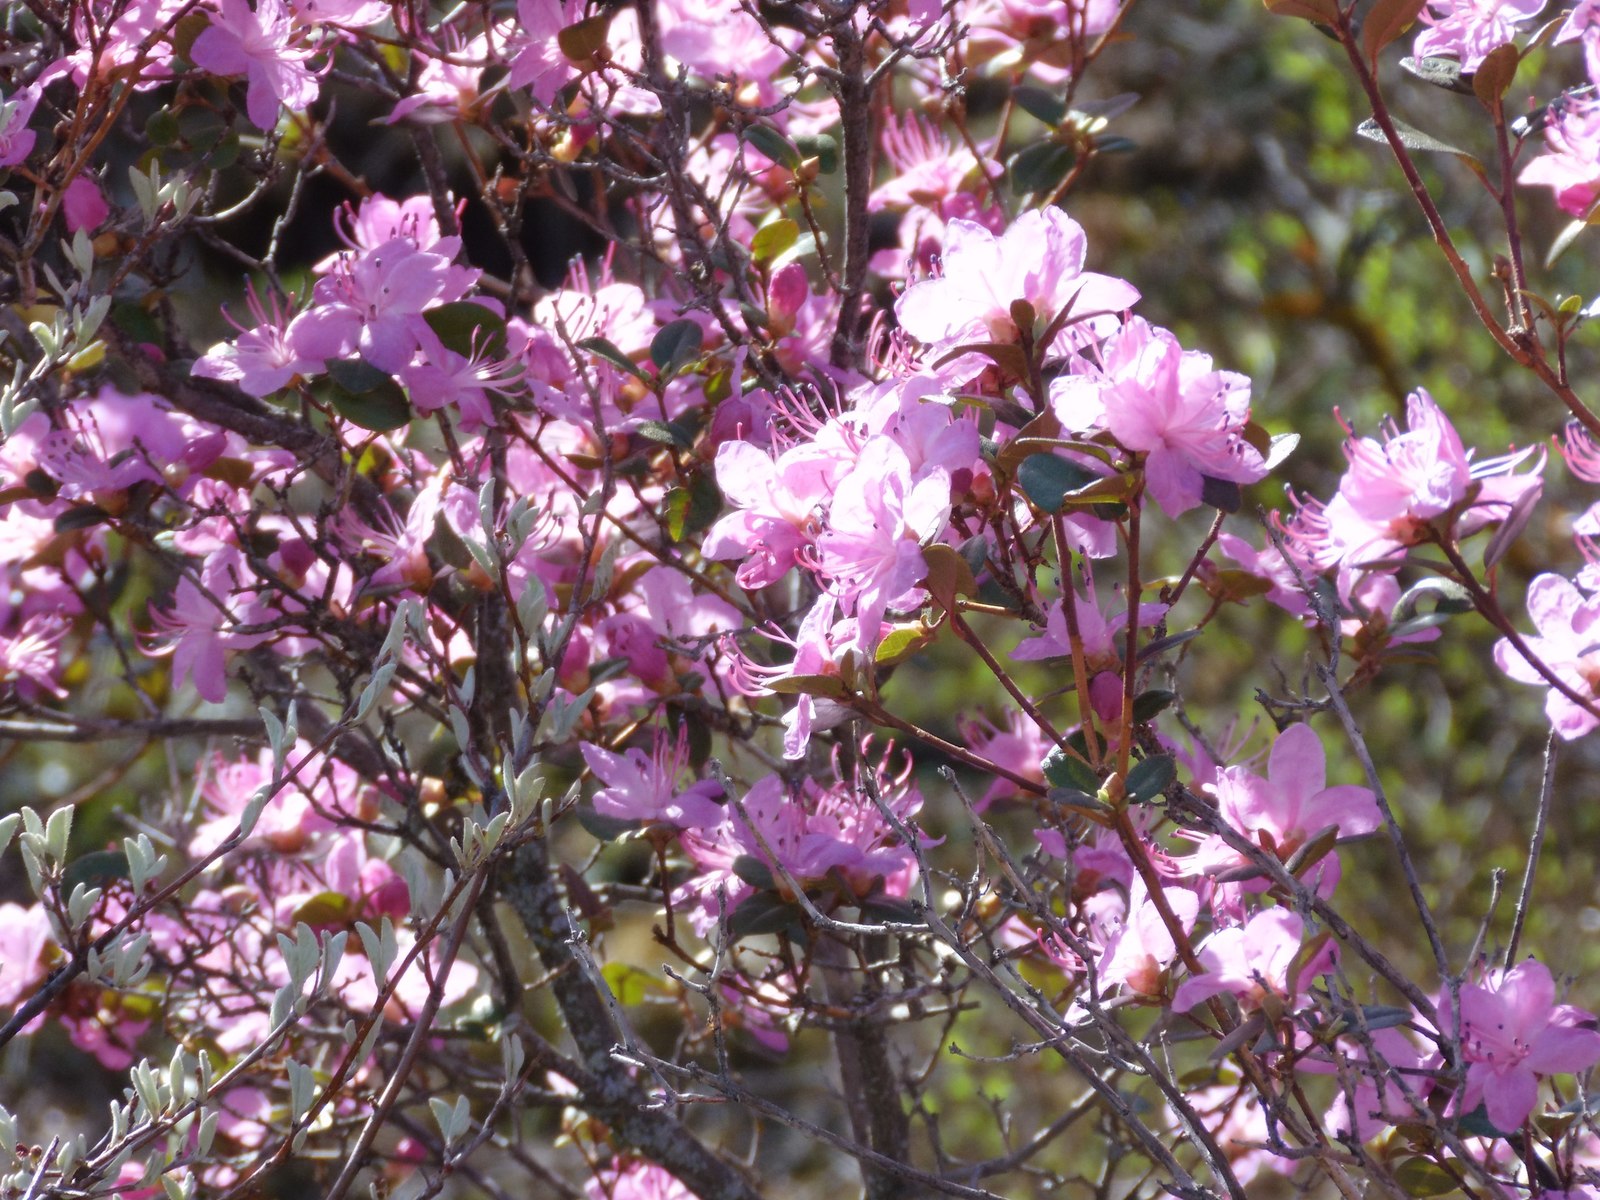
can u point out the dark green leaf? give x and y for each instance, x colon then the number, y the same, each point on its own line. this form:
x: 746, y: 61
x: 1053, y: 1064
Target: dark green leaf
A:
x: 766, y: 912
x: 1063, y: 771
x: 1151, y: 777
x: 1148, y: 705
x: 675, y: 345
x: 609, y: 352
x: 829, y: 686
x: 1162, y: 645
x: 357, y: 375
x: 755, y: 872
x: 1421, y: 1178
x: 774, y: 145
x: 1040, y: 104
x: 1047, y: 478
x: 95, y: 869
x: 380, y: 409
x: 604, y: 828
x: 667, y: 433
x: 822, y: 147
x: 465, y: 327
x: 82, y: 516
x: 1447, y: 595
x: 1221, y: 494
x: 1040, y: 168
x: 1373, y: 1016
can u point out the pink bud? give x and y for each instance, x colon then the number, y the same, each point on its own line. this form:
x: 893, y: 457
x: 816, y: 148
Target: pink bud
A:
x: 83, y: 206
x: 786, y: 294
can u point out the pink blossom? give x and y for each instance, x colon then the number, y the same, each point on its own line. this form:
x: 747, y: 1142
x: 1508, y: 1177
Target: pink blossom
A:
x: 83, y: 205
x: 264, y: 358
x: 1287, y: 809
x: 777, y: 504
x: 1512, y: 1033
x: 1169, y: 404
x: 1570, y: 165
x: 1583, y: 23
x: 878, y: 522
x: 1252, y: 961
x: 1039, y: 259
x: 1103, y: 655
x: 1568, y: 642
x: 1469, y: 29
x: 1140, y: 947
x: 30, y: 659
x: 24, y: 934
x: 16, y: 139
x: 259, y: 44
x: 201, y: 620
x: 644, y: 788
x: 538, y: 63
x: 635, y: 1180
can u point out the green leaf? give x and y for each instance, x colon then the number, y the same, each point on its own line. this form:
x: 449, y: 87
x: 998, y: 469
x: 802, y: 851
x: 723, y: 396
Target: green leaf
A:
x: 1447, y: 595
x: 1040, y: 168
x: 675, y: 345
x: 357, y: 375
x: 381, y: 409
x: 1150, y: 704
x: 1082, y: 803
x: 1151, y: 777
x: 773, y: 145
x: 604, y: 828
x: 822, y: 147
x: 1414, y: 139
x: 465, y: 327
x: 829, y: 686
x: 773, y: 238
x: 755, y: 872
x: 325, y: 908
x: 667, y: 433
x: 1221, y: 494
x: 82, y: 516
x: 609, y: 352
x: 1441, y: 72
x: 1372, y: 1017
x: 900, y: 643
x: 95, y: 869
x: 766, y: 912
x: 692, y: 509
x: 1047, y: 478
x: 1041, y: 105
x: 581, y: 42
x: 629, y: 984
x: 1061, y: 770
x: 1421, y: 1178
x: 1492, y: 80
x: 1385, y: 21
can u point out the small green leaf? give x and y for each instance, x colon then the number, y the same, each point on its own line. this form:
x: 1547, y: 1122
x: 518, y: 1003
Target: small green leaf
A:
x: 1047, y: 478
x: 1421, y: 1178
x: 1414, y: 139
x: 948, y: 576
x: 1061, y: 770
x: 465, y: 328
x: 629, y: 984
x: 822, y: 147
x: 766, y: 912
x: 95, y: 869
x: 82, y: 516
x: 773, y: 238
x: 829, y: 686
x: 604, y: 828
x: 381, y: 409
x: 1447, y: 595
x: 901, y: 643
x: 1040, y: 168
x: 755, y: 872
x: 675, y: 345
x: 1150, y: 704
x: 611, y: 353
x: 325, y: 908
x: 1042, y: 105
x: 773, y: 145
x: 1224, y: 495
x: 664, y: 432
x: 581, y: 42
x: 357, y: 375
x: 1151, y: 777
x: 692, y: 509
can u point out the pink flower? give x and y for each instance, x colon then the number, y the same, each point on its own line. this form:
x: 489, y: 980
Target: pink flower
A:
x: 1169, y: 404
x: 1568, y: 642
x: 539, y: 64
x: 16, y: 139
x: 879, y: 519
x: 635, y: 1181
x: 641, y: 788
x: 264, y: 358
x: 1039, y: 260
x: 1293, y: 804
x: 30, y: 659
x: 1570, y: 165
x: 1513, y: 1032
x: 1469, y: 29
x: 24, y: 934
x: 1252, y: 961
x: 1140, y: 947
x: 84, y: 206
x: 257, y: 43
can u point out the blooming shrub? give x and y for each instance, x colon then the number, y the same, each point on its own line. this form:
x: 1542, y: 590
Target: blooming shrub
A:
x: 544, y: 809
